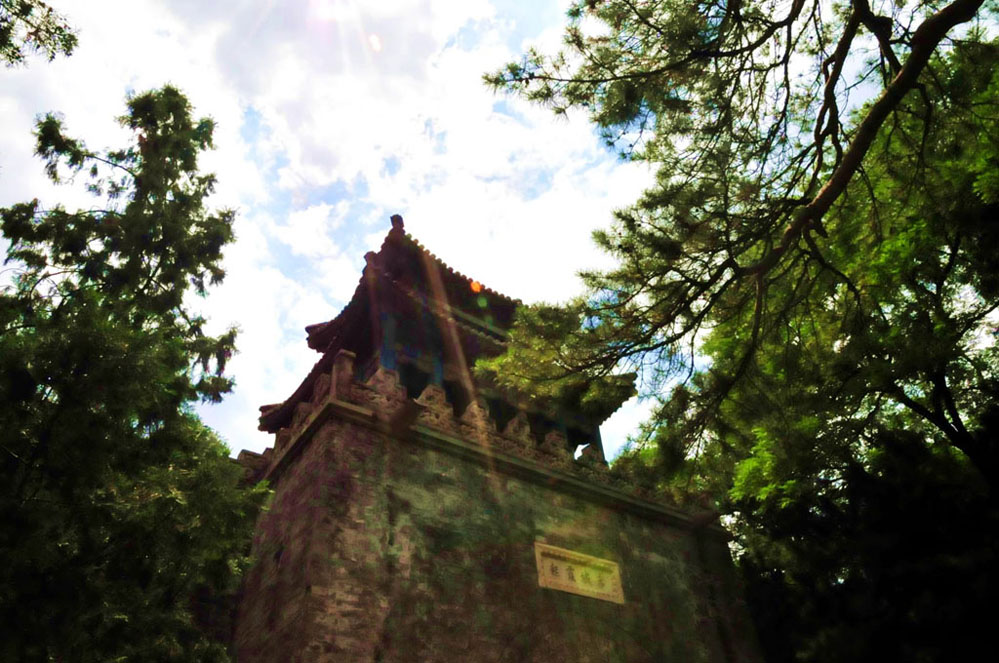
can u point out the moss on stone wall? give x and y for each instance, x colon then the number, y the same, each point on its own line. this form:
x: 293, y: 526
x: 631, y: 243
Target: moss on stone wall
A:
x: 379, y: 549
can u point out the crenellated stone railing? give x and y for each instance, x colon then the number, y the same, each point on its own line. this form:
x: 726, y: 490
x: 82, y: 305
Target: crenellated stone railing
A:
x: 381, y: 402
x: 383, y: 398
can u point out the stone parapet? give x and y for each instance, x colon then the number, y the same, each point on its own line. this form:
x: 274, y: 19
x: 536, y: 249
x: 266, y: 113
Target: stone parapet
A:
x: 381, y: 400
x: 380, y: 403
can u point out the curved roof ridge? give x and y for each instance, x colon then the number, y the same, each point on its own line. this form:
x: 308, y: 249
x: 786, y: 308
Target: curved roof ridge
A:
x: 452, y: 270
x: 397, y: 234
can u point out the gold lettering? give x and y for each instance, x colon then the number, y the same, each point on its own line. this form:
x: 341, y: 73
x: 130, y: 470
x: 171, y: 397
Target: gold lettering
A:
x: 570, y: 571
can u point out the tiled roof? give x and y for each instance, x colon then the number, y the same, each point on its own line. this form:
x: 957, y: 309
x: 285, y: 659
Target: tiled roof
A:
x: 321, y: 334
x: 325, y: 336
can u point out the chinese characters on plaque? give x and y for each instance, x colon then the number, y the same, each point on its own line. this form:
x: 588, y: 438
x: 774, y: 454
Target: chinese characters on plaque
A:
x: 574, y: 572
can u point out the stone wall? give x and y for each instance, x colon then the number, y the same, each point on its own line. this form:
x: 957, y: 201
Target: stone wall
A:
x: 397, y: 535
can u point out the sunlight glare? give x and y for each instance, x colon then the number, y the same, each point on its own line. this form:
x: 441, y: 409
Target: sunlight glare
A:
x: 376, y: 42
x: 331, y: 10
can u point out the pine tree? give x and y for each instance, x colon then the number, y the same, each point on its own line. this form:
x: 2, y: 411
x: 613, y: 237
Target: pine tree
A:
x: 117, y: 504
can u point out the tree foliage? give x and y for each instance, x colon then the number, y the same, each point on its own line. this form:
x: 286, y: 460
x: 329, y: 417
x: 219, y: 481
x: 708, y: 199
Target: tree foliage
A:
x: 742, y: 106
x: 811, y: 290
x: 752, y: 153
x: 28, y: 26
x: 862, y: 441
x: 118, y: 505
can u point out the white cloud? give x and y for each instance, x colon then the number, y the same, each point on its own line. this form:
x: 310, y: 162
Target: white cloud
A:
x: 621, y: 425
x: 307, y: 231
x: 331, y: 115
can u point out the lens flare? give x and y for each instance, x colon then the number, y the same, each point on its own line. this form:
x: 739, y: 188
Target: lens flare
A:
x: 329, y: 10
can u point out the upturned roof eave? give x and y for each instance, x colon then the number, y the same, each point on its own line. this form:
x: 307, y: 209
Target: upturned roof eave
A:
x: 318, y: 334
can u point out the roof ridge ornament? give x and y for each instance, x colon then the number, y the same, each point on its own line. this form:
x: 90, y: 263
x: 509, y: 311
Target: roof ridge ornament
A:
x: 397, y: 223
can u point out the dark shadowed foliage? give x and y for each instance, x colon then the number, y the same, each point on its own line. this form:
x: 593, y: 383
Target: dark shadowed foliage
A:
x: 118, y: 507
x: 810, y: 289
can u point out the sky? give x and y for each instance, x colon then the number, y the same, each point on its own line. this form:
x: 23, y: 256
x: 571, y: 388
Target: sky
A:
x: 331, y: 116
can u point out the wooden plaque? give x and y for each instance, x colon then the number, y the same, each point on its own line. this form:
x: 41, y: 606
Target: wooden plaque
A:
x: 574, y: 572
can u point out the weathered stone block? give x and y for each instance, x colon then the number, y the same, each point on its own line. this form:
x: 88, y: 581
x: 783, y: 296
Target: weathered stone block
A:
x: 519, y: 430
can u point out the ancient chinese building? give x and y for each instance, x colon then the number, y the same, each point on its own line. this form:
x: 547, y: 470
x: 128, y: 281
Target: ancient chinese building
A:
x: 420, y: 515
